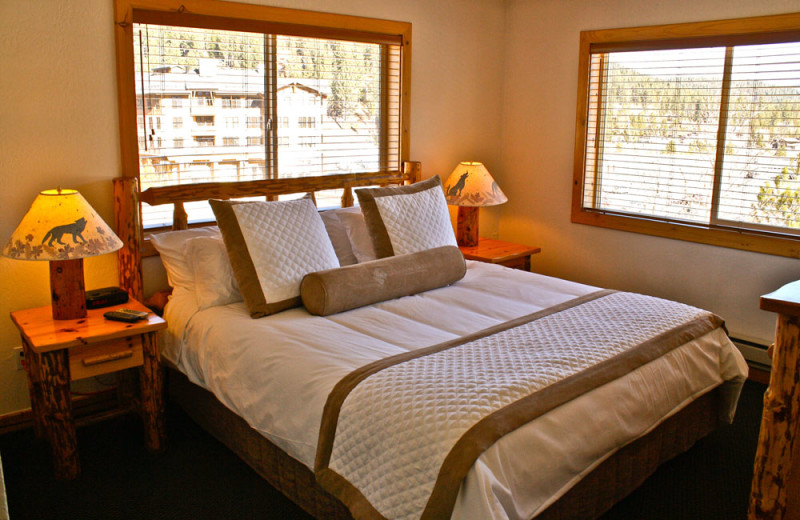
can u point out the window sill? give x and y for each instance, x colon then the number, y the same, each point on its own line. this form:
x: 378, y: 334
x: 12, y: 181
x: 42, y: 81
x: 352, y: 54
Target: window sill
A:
x: 747, y: 240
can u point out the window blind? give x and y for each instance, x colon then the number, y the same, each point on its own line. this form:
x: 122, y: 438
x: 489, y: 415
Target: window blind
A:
x: 759, y: 183
x: 224, y: 106
x: 704, y: 135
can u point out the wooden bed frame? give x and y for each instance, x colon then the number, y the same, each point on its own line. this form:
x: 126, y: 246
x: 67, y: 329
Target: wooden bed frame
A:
x: 608, y: 483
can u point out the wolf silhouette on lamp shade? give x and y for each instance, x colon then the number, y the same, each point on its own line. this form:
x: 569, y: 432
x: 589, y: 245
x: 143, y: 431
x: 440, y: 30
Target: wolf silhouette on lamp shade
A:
x: 75, y: 229
x: 455, y: 190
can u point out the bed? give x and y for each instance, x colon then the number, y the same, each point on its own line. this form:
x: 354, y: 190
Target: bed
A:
x: 485, y: 397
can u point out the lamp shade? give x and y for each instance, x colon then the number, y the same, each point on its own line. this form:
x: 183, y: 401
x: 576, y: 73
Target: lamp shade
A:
x: 471, y: 184
x: 61, y: 225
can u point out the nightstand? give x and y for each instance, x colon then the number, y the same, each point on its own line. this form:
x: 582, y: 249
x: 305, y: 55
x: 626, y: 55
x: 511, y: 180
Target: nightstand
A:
x: 516, y: 256
x: 775, y: 490
x: 61, y: 351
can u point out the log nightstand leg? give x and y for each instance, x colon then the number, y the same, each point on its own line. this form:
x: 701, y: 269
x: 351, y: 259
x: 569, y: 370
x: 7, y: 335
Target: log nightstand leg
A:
x: 780, y: 425
x: 57, y: 404
x: 34, y: 389
x: 152, y: 394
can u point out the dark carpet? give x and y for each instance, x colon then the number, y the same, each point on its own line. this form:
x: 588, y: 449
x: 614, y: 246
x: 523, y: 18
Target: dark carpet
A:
x: 198, y: 478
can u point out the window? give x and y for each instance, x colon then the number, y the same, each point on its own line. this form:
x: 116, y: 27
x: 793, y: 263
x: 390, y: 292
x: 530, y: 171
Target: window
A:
x: 204, y: 120
x: 204, y: 140
x: 177, y: 123
x: 177, y: 142
x: 200, y: 99
x: 348, y: 73
x: 307, y: 141
x: 177, y: 102
x: 230, y: 102
x: 694, y: 137
x: 230, y: 141
x: 307, y: 122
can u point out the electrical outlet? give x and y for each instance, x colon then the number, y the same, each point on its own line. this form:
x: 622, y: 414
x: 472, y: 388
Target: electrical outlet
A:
x: 19, y: 357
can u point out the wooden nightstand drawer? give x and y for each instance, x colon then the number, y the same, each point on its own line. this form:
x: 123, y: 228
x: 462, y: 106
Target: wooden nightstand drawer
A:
x: 102, y: 358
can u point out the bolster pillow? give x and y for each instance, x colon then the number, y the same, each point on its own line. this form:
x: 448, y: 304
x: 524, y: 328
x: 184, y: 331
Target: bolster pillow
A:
x: 336, y: 290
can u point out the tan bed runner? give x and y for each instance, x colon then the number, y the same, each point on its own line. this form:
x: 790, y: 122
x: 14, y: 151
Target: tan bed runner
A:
x: 399, y: 435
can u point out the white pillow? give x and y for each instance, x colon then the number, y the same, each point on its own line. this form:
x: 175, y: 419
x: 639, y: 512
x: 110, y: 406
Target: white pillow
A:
x: 332, y: 218
x: 356, y: 229
x: 214, y: 282
x: 171, y: 245
x: 272, y: 246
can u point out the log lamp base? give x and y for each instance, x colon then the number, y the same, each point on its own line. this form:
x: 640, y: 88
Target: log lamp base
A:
x: 467, y: 226
x: 67, y: 289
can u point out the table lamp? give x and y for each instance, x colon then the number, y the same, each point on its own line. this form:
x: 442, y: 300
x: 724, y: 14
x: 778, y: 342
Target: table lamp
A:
x: 469, y: 187
x: 62, y: 228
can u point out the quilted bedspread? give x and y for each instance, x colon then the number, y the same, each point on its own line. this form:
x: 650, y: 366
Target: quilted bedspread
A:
x: 399, y: 435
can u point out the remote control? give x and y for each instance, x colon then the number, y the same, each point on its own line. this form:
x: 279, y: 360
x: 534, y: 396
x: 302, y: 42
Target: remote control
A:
x: 126, y: 315
x: 120, y: 316
x: 140, y: 314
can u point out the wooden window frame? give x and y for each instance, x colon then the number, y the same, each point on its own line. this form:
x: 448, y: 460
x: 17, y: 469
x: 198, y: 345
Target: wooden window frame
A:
x: 700, y: 34
x: 218, y: 14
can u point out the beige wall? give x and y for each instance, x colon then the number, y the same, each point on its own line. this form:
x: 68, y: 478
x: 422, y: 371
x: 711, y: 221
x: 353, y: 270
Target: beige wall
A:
x: 541, y: 52
x: 58, y: 119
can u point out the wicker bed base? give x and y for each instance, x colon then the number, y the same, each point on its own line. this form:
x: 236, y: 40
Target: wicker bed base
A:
x: 594, y: 495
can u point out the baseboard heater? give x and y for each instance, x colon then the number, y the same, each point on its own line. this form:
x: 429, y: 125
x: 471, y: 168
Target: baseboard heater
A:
x: 755, y: 353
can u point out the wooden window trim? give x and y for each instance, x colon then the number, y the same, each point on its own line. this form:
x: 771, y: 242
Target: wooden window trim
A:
x: 763, y: 29
x: 240, y: 16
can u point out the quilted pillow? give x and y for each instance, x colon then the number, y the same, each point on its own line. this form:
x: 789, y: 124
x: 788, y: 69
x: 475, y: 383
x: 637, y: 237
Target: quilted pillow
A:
x: 407, y: 219
x: 271, y: 246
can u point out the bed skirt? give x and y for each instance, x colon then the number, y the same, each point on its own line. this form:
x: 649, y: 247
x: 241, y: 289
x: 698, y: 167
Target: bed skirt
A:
x: 595, y: 494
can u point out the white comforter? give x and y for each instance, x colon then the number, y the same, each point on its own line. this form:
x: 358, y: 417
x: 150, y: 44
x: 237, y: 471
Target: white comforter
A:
x: 277, y: 372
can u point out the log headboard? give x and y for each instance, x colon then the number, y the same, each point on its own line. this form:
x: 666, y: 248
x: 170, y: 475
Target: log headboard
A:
x: 128, y: 199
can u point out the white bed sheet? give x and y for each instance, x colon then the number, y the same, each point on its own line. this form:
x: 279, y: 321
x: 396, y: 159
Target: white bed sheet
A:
x: 277, y: 372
